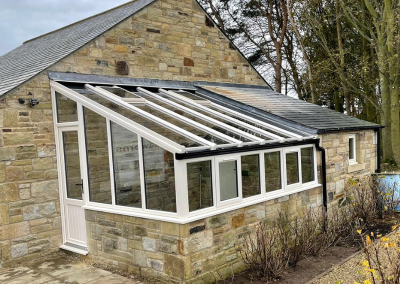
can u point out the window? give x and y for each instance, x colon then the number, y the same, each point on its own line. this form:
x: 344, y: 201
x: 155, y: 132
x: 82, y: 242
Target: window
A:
x: 159, y: 177
x: 126, y: 167
x: 307, y: 165
x: 66, y: 109
x: 251, y: 175
x: 199, y: 179
x: 292, y: 168
x: 352, y: 149
x: 97, y: 157
x: 273, y: 171
x: 228, y: 182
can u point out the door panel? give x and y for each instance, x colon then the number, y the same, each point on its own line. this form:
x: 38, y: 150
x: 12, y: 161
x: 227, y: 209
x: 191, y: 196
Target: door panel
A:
x: 72, y: 191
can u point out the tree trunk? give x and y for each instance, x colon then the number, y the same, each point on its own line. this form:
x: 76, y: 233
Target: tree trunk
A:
x: 278, y: 72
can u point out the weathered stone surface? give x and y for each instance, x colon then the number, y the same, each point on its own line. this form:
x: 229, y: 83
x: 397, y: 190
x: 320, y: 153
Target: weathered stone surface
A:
x: 8, y: 192
x: 48, y: 189
x: 149, y: 244
x: 177, y: 266
x: 4, y: 215
x: 198, y: 242
x: 237, y: 221
x: 38, y: 211
x: 155, y: 264
x: 12, y: 139
x: 19, y: 250
x: 12, y: 231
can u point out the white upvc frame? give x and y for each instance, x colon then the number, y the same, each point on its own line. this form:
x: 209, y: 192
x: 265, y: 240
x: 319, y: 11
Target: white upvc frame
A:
x: 182, y: 215
x: 156, y: 138
x: 224, y: 159
x: 115, y: 99
x: 353, y: 161
x: 255, y: 139
x: 292, y: 150
x: 225, y: 117
x: 233, y: 141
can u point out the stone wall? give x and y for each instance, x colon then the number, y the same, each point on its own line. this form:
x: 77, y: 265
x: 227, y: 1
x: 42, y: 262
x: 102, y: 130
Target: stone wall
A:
x: 30, y: 221
x: 337, y: 159
x: 189, y: 253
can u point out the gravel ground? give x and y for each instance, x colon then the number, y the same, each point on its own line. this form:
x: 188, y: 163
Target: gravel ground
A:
x: 352, y: 270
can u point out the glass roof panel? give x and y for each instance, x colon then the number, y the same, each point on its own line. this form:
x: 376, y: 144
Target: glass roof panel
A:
x: 120, y: 92
x: 248, y: 122
x: 162, y: 130
x: 220, y: 119
x: 192, y: 117
x: 189, y: 96
x: 183, y: 125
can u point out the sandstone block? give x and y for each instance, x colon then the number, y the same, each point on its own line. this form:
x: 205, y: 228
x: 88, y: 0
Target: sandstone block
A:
x: 48, y: 189
x: 19, y: 250
x: 12, y: 139
x: 38, y: 211
x: 8, y: 192
x: 149, y: 244
x: 14, y: 173
x: 4, y: 214
x: 13, y: 231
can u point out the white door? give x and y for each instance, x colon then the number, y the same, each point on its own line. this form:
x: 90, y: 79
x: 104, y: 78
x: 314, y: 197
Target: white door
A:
x: 72, y: 191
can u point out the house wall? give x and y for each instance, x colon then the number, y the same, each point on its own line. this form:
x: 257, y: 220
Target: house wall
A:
x: 168, y: 40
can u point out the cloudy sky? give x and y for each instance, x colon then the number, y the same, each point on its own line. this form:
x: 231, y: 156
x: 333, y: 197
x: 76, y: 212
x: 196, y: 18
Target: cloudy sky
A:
x: 21, y: 20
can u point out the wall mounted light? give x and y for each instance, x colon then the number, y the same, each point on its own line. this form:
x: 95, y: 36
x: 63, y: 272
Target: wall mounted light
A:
x: 33, y: 102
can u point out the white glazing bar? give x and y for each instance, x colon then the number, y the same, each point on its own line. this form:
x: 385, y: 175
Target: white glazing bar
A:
x: 207, y: 118
x: 110, y: 97
x: 111, y: 161
x: 119, y: 119
x: 190, y: 121
x: 256, y: 121
x: 223, y: 116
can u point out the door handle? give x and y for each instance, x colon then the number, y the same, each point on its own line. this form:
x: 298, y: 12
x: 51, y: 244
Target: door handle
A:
x: 81, y: 184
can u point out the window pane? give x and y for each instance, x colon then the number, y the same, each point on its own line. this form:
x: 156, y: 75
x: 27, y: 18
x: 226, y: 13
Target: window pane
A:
x: 72, y: 165
x: 292, y: 168
x: 273, y: 171
x: 351, y: 149
x: 307, y: 165
x: 66, y: 109
x: 199, y: 185
x: 251, y: 175
x: 228, y: 180
x: 97, y: 157
x: 159, y: 178
x: 126, y: 167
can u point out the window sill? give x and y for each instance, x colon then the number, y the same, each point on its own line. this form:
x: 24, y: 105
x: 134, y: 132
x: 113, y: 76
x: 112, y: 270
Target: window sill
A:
x: 355, y: 168
x: 212, y: 212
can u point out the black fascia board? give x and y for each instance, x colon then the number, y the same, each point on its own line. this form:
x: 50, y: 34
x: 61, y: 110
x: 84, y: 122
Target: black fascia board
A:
x: 341, y: 129
x: 253, y: 148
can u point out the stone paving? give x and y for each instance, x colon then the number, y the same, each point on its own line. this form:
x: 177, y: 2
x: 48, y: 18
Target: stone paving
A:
x: 59, y: 269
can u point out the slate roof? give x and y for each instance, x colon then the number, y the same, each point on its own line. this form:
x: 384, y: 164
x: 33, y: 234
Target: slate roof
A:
x: 300, y: 112
x: 33, y: 57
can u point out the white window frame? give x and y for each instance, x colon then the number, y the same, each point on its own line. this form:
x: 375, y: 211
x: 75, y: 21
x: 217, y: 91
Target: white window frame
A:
x: 281, y: 190
x: 286, y: 151
x: 222, y: 159
x: 354, y: 160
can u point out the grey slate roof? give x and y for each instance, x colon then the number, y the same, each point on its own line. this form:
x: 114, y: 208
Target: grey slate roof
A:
x: 300, y: 112
x: 33, y: 57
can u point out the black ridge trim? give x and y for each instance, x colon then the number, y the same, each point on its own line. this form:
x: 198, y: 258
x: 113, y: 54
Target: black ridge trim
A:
x: 332, y: 130
x: 219, y: 152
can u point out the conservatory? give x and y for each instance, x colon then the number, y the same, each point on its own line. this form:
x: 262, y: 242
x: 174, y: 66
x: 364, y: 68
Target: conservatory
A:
x: 170, y: 154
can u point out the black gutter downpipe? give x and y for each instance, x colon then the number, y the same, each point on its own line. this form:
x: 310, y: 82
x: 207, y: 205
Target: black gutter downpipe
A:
x: 378, y: 151
x: 324, y: 188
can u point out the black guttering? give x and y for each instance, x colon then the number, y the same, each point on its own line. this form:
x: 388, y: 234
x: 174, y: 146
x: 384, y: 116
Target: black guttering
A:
x: 219, y: 152
x: 323, y: 175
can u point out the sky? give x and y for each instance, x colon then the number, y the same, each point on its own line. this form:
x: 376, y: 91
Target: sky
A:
x: 21, y: 20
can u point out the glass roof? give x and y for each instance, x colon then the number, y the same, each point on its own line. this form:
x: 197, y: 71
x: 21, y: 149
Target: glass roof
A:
x: 180, y: 118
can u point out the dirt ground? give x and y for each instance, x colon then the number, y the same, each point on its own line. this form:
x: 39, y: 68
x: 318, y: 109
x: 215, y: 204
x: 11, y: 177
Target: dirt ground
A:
x: 307, y: 269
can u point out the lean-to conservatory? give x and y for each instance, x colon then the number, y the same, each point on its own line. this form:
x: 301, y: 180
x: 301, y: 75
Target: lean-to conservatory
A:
x: 172, y: 154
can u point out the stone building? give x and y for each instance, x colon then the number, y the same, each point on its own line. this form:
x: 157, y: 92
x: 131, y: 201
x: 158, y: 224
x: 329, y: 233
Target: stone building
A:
x: 142, y: 138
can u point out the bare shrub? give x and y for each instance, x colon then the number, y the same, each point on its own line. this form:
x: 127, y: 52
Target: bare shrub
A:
x: 381, y: 262
x: 389, y: 196
x: 264, y: 252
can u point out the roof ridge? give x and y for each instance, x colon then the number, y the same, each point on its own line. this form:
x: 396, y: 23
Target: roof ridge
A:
x: 78, y: 22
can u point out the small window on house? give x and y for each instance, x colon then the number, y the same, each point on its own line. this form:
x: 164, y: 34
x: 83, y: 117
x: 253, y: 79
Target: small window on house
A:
x: 251, y: 175
x: 228, y: 182
x: 307, y: 165
x: 272, y: 171
x: 199, y: 179
x: 126, y: 167
x: 97, y: 157
x: 159, y: 177
x: 292, y: 168
x: 66, y: 109
x: 352, y: 149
